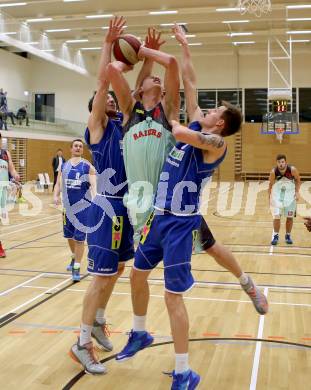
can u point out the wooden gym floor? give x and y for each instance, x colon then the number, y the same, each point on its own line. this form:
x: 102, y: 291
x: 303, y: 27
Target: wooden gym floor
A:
x: 40, y: 311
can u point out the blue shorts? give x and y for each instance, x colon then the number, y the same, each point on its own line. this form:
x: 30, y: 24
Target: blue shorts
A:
x: 170, y: 238
x: 70, y: 231
x: 112, y: 242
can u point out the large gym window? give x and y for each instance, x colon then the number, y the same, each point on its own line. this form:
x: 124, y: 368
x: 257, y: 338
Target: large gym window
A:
x: 304, y: 104
x: 255, y: 104
x: 207, y: 99
x: 232, y: 96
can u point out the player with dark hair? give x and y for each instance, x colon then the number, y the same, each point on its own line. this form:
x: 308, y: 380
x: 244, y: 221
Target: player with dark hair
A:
x: 75, y: 179
x: 284, y: 185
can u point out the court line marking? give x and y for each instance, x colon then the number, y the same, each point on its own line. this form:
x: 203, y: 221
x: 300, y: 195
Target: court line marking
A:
x: 256, y: 361
x: 29, y: 227
x: 185, y: 297
x: 6, y: 292
x: 36, y: 297
x: 219, y: 340
x: 26, y: 223
x: 125, y: 279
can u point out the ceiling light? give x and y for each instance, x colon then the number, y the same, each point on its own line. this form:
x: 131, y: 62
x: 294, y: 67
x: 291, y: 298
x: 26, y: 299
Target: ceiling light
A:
x: 9, y: 33
x: 297, y: 19
x: 32, y: 43
x: 38, y: 20
x: 71, y: 1
x: 99, y: 16
x: 163, y: 12
x: 299, y: 32
x: 244, y: 43
x: 172, y: 24
x: 298, y: 6
x: 76, y: 40
x: 298, y: 40
x: 239, y: 34
x: 58, y: 30
x: 90, y: 48
x: 235, y: 21
x: 237, y: 9
x: 3, y: 5
x: 48, y: 50
x: 187, y: 36
x: 195, y: 44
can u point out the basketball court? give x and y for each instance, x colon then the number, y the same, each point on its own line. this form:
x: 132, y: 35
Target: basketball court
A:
x: 231, y: 346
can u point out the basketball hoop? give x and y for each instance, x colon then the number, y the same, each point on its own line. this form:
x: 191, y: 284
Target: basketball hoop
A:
x: 256, y: 7
x: 279, y: 131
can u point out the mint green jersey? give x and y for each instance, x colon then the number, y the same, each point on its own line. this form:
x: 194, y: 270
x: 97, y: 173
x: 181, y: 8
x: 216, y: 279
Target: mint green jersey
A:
x: 147, y: 141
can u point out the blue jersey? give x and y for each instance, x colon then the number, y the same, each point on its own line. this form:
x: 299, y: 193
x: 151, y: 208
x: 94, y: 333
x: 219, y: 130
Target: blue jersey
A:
x: 108, y: 159
x: 75, y: 181
x: 183, y: 177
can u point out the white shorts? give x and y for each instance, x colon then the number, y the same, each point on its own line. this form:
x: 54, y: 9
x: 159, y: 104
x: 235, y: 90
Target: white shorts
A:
x: 288, y: 211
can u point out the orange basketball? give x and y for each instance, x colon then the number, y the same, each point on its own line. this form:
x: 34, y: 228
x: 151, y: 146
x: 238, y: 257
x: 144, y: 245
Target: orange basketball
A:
x: 125, y: 49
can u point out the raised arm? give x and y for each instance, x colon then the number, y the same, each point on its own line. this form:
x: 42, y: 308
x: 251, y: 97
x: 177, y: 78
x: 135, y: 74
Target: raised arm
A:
x: 121, y: 87
x: 152, y: 41
x: 213, y: 143
x: 171, y: 79
x: 188, y: 76
x: 296, y: 175
x: 98, y: 118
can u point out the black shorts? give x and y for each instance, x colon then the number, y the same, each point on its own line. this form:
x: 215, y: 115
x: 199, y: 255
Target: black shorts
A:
x: 206, y: 237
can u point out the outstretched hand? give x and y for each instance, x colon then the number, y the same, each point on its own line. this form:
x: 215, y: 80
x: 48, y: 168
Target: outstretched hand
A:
x: 153, y: 40
x: 180, y: 35
x: 116, y: 27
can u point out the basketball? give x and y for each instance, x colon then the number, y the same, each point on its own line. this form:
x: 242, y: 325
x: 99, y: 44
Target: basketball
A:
x: 125, y: 49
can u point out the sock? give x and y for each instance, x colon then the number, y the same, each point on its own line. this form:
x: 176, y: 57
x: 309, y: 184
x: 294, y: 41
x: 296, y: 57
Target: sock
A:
x: 243, y: 278
x: 100, y: 316
x: 181, y: 362
x: 76, y: 266
x: 139, y: 323
x: 85, y: 334
x: 275, y: 233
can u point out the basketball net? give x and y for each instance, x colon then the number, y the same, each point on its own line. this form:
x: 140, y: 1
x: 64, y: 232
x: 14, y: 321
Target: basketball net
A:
x: 256, y: 7
x: 279, y: 132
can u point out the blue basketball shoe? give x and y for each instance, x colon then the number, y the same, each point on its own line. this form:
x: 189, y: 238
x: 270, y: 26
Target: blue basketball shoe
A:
x: 136, y: 342
x: 275, y: 239
x: 187, y: 380
x: 288, y: 239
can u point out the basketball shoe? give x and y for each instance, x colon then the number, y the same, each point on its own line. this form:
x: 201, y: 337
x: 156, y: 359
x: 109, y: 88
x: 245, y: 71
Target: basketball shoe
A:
x: 70, y: 266
x: 101, y: 334
x: 76, y: 277
x: 136, y: 342
x: 187, y: 380
x: 85, y: 355
x: 288, y: 239
x: 275, y: 239
x: 258, y: 298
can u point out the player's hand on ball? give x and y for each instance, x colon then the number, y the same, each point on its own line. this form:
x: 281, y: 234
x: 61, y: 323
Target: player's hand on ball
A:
x: 180, y: 34
x: 116, y: 27
x: 153, y: 39
x: 122, y: 67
